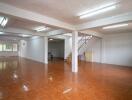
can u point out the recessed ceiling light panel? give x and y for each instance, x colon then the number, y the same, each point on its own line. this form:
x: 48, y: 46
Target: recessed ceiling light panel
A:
x: 41, y: 28
x: 115, y: 26
x: 68, y: 34
x: 50, y: 39
x: 98, y: 10
x: 3, y: 21
x: 25, y: 35
x: 1, y: 32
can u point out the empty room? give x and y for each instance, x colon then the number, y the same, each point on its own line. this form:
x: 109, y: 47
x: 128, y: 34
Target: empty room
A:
x: 65, y: 50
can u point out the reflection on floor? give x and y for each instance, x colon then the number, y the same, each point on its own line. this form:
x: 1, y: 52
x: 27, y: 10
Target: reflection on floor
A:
x: 22, y: 79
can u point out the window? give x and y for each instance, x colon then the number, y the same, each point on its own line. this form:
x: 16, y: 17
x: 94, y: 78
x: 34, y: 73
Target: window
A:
x: 8, y: 47
x: 0, y: 47
x: 3, y: 47
x: 14, y: 47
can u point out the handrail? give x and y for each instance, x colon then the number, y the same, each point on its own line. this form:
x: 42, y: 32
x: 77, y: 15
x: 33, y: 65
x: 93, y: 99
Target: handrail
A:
x: 81, y: 39
x: 83, y: 44
x: 79, y: 42
x: 84, y: 39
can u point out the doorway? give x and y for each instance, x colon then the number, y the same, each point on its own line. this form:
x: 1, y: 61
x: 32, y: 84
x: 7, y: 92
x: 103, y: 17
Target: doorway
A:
x: 55, y: 49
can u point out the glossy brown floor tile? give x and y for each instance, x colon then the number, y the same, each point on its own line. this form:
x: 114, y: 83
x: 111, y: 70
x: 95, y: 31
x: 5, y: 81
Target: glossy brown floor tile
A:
x: 22, y: 79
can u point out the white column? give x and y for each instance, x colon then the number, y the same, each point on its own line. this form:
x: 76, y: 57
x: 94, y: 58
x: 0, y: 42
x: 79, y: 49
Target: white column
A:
x: 46, y: 50
x: 75, y: 51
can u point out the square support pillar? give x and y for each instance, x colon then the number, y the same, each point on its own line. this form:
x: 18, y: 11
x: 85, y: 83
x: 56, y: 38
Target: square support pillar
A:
x: 75, y: 51
x: 46, y: 50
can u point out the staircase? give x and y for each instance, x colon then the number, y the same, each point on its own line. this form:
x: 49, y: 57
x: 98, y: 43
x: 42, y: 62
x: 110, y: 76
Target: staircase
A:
x: 82, y: 47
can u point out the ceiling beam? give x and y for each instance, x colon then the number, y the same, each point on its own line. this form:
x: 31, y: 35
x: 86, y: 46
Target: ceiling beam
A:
x: 59, y: 37
x: 93, y: 33
x: 57, y: 32
x: 18, y: 31
x: 106, y: 21
x: 32, y: 16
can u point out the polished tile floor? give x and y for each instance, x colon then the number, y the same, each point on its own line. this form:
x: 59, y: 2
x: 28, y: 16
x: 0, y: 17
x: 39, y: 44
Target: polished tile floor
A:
x: 22, y: 79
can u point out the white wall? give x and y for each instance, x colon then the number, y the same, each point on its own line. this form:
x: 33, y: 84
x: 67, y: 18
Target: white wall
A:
x: 93, y: 45
x: 117, y: 49
x: 97, y: 50
x: 9, y: 53
x: 112, y: 49
x: 33, y: 48
x: 68, y: 47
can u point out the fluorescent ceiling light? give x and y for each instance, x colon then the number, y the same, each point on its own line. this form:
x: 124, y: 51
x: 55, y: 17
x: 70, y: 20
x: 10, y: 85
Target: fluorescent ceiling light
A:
x: 41, y: 28
x: 1, y: 32
x: 25, y: 35
x: 98, y: 10
x: 50, y: 39
x: 3, y: 21
x: 34, y: 37
x: 115, y: 26
x: 68, y: 34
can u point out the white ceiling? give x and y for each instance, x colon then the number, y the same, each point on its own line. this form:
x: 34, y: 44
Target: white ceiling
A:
x: 25, y: 24
x: 67, y: 10
x: 10, y: 37
x: 19, y: 23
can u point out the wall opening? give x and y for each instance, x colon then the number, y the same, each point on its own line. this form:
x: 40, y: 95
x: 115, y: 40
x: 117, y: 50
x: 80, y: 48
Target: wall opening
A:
x: 55, y: 49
